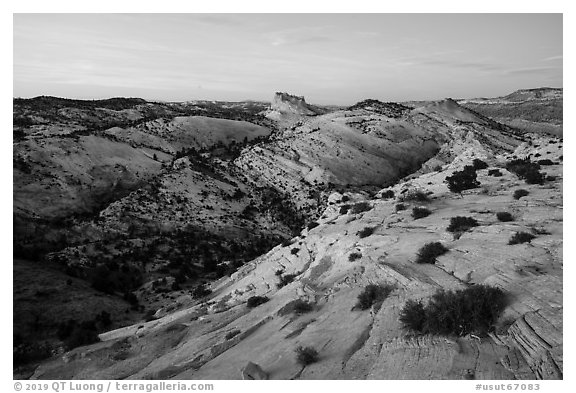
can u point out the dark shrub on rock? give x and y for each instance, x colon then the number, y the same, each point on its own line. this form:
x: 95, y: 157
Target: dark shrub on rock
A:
x: 461, y: 224
x: 387, y: 194
x: 430, y: 251
x: 373, y: 295
x: 504, y: 216
x: 520, y: 193
x: 414, y: 196
x: 306, y: 355
x: 473, y: 310
x: 479, y: 164
x: 297, y: 306
x: 255, y: 301
x: 312, y: 225
x: 361, y: 207
x: 494, y: 172
x: 521, y: 237
x: 354, y: 256
x: 463, y: 180
x: 420, y: 212
x: 527, y: 170
x: 400, y: 207
x: 545, y: 162
x: 365, y: 232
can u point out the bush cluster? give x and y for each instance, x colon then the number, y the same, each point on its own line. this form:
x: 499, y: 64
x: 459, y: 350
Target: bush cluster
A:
x: 430, y: 251
x: 414, y: 196
x: 526, y: 170
x: 461, y: 224
x: 420, y: 212
x: 297, y: 306
x: 472, y: 310
x: 373, y: 294
x: 463, y: 180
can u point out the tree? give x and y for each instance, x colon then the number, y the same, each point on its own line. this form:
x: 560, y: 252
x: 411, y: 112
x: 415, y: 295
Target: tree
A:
x: 463, y: 180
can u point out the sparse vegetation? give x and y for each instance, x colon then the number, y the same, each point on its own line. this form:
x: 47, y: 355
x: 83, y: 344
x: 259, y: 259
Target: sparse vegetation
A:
x: 461, y: 224
x: 504, y: 216
x: 521, y: 237
x: 430, y: 251
x: 306, y: 355
x: 255, y: 301
x: 373, y: 294
x: 420, y: 212
x: 354, y: 256
x: 520, y: 193
x: 365, y: 232
x: 473, y: 310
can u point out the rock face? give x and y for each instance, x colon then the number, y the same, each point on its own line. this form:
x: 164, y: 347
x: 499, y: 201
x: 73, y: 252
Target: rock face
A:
x: 327, y: 266
x: 253, y: 371
x: 287, y: 103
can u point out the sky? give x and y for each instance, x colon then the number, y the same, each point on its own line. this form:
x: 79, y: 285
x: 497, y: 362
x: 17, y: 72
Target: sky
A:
x: 328, y: 58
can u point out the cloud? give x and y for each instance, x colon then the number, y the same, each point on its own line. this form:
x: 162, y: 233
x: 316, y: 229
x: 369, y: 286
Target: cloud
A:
x: 531, y: 70
x: 554, y: 58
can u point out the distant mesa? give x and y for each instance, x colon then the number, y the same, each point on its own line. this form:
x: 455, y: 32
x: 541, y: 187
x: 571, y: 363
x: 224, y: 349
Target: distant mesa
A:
x: 541, y: 93
x: 288, y: 103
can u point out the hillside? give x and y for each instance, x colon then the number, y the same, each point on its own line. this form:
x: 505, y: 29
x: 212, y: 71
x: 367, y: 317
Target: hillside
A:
x: 182, y: 211
x: 530, y: 110
x: 332, y: 263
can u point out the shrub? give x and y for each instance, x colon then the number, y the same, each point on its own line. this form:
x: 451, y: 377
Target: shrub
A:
x: 494, y: 172
x: 373, y: 294
x: 345, y: 198
x: 344, y: 209
x: 414, y: 196
x: 287, y: 243
x: 201, y: 291
x: 463, y: 180
x: 354, y: 256
x: 387, y: 194
x: 551, y: 178
x: 232, y: 334
x: 420, y: 212
x: 521, y: 237
x: 400, y: 207
x: 306, y: 355
x: 365, y: 232
x: 286, y: 279
x: 520, y: 193
x: 294, y: 251
x: 413, y: 315
x: 361, y: 207
x: 312, y: 225
x: 473, y: 310
x: 430, y: 251
x: 546, y: 162
x: 297, y: 306
x: 82, y: 334
x: 461, y: 224
x: 504, y: 216
x: 479, y: 164
x: 255, y: 301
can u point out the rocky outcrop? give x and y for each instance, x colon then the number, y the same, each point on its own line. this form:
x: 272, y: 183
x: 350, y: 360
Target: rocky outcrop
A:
x: 287, y: 103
